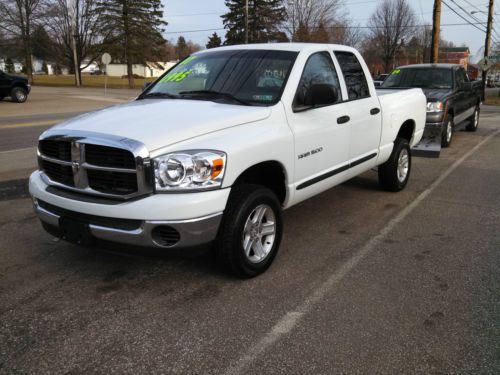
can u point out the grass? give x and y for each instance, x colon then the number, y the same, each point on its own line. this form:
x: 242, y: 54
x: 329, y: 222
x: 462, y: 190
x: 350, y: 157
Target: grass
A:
x: 87, y: 80
x: 492, y: 99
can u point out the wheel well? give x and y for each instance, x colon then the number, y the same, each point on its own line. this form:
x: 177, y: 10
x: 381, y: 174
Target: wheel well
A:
x: 269, y: 174
x: 18, y: 84
x: 406, y: 130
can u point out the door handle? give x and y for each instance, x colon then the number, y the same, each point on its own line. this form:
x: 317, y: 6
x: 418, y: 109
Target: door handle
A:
x: 374, y: 111
x: 343, y: 119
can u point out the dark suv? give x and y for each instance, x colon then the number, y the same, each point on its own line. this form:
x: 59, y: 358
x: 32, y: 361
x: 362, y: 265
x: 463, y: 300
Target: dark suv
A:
x: 453, y: 101
x: 14, y: 86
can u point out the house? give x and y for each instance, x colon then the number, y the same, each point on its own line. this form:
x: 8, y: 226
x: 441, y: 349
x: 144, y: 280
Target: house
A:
x: 455, y: 55
x: 147, y: 70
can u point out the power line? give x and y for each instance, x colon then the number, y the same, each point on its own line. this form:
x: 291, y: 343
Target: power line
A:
x: 340, y: 27
x: 468, y: 21
x: 467, y: 13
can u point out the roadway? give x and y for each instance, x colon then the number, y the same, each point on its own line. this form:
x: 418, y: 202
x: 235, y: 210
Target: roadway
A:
x: 366, y: 282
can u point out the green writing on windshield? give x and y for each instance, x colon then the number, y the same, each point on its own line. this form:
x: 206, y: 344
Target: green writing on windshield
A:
x: 397, y: 71
x: 176, y: 77
x: 188, y: 60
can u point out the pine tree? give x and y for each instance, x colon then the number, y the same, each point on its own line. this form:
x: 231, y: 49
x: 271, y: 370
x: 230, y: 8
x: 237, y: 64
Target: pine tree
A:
x: 264, y: 19
x: 132, y: 30
x: 181, y: 48
x: 214, y: 41
x: 9, y: 65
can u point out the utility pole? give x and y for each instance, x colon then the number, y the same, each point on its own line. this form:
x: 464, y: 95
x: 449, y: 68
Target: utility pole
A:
x: 436, y: 26
x: 73, y: 40
x: 246, y: 21
x: 487, y: 44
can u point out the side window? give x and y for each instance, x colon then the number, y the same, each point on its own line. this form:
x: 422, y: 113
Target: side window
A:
x: 463, y: 74
x: 319, y: 69
x: 355, y: 79
x: 459, y: 78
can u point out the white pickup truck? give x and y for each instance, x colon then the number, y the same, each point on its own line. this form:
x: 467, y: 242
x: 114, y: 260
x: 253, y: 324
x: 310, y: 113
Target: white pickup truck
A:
x: 217, y: 147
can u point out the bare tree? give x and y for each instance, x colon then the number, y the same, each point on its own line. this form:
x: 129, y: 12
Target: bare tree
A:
x: 305, y: 17
x: 17, y: 18
x: 60, y: 17
x: 392, y: 22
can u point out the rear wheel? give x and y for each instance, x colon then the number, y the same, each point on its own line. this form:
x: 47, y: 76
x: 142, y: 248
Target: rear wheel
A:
x: 448, y: 132
x: 19, y: 95
x: 250, y: 232
x: 393, y: 175
x: 473, y: 120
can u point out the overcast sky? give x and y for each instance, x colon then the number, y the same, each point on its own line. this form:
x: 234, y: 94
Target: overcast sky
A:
x: 184, y: 16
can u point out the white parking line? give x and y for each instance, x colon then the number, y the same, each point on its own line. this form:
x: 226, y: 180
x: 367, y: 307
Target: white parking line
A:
x: 290, y: 320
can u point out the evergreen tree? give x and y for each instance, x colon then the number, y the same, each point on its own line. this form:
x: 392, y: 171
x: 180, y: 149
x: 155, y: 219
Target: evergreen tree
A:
x: 133, y: 31
x: 9, y: 65
x: 41, y: 44
x: 181, y: 48
x: 264, y: 20
x: 214, y: 41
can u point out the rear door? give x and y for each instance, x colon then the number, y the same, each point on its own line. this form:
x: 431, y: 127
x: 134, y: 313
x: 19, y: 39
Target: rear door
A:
x: 461, y: 103
x: 363, y: 108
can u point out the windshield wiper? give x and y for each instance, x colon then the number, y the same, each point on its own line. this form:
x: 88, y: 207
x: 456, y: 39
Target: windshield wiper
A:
x: 161, y: 95
x: 214, y: 93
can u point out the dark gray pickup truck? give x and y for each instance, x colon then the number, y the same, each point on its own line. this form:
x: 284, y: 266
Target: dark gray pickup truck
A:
x: 14, y: 86
x: 453, y: 102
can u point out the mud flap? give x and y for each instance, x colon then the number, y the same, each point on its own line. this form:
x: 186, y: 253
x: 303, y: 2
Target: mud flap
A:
x: 430, y: 144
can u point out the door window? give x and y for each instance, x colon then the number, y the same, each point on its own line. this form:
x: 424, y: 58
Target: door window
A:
x: 319, y: 69
x: 354, y: 76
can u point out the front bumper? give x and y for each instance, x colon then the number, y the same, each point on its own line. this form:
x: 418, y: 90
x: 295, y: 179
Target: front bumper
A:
x: 140, y: 222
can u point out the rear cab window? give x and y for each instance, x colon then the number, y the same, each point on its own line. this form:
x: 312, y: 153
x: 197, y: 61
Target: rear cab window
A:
x: 354, y: 76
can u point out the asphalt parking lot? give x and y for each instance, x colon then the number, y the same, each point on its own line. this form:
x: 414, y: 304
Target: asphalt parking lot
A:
x: 366, y: 281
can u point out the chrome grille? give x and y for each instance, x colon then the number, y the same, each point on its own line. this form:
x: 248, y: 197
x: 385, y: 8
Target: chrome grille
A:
x: 110, y: 167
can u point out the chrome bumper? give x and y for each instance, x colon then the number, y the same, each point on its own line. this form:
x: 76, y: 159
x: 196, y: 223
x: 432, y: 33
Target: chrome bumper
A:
x: 192, y: 232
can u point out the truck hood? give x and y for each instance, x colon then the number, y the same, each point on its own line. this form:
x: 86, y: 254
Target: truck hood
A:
x: 162, y: 122
x: 437, y: 94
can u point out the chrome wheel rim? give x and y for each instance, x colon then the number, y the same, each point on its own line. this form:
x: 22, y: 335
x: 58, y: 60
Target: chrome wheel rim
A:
x: 449, y: 131
x: 259, y: 233
x: 476, y: 118
x: 403, y: 165
x: 20, y: 96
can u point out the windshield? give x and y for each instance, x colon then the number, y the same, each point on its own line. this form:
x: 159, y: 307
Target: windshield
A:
x: 252, y: 77
x: 426, y: 78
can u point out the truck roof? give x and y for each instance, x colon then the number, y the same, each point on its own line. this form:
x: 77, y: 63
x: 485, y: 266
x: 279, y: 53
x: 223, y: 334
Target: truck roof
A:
x: 295, y: 47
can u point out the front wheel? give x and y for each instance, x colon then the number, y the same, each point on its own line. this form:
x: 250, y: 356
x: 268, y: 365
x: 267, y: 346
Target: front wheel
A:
x: 19, y: 95
x: 393, y: 175
x: 448, y: 131
x: 250, y: 232
x: 473, y: 121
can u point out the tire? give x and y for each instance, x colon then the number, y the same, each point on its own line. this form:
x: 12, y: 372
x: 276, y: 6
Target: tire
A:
x: 241, y: 228
x: 473, y: 120
x: 393, y: 175
x: 19, y: 94
x: 448, y: 131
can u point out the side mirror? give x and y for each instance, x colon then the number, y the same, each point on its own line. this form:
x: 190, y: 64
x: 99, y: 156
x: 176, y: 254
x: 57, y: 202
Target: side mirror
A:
x: 322, y: 94
x: 146, y: 85
x: 466, y: 86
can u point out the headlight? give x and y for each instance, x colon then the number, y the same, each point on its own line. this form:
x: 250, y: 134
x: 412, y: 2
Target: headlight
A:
x: 189, y: 170
x: 435, y: 106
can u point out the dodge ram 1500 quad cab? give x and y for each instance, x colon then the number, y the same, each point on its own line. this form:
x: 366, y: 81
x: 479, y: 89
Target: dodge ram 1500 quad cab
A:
x: 218, y: 146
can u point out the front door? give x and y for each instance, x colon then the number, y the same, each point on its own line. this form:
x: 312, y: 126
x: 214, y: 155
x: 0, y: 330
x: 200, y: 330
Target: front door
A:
x: 321, y: 134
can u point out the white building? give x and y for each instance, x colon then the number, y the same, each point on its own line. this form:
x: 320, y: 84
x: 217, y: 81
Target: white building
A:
x: 147, y: 71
